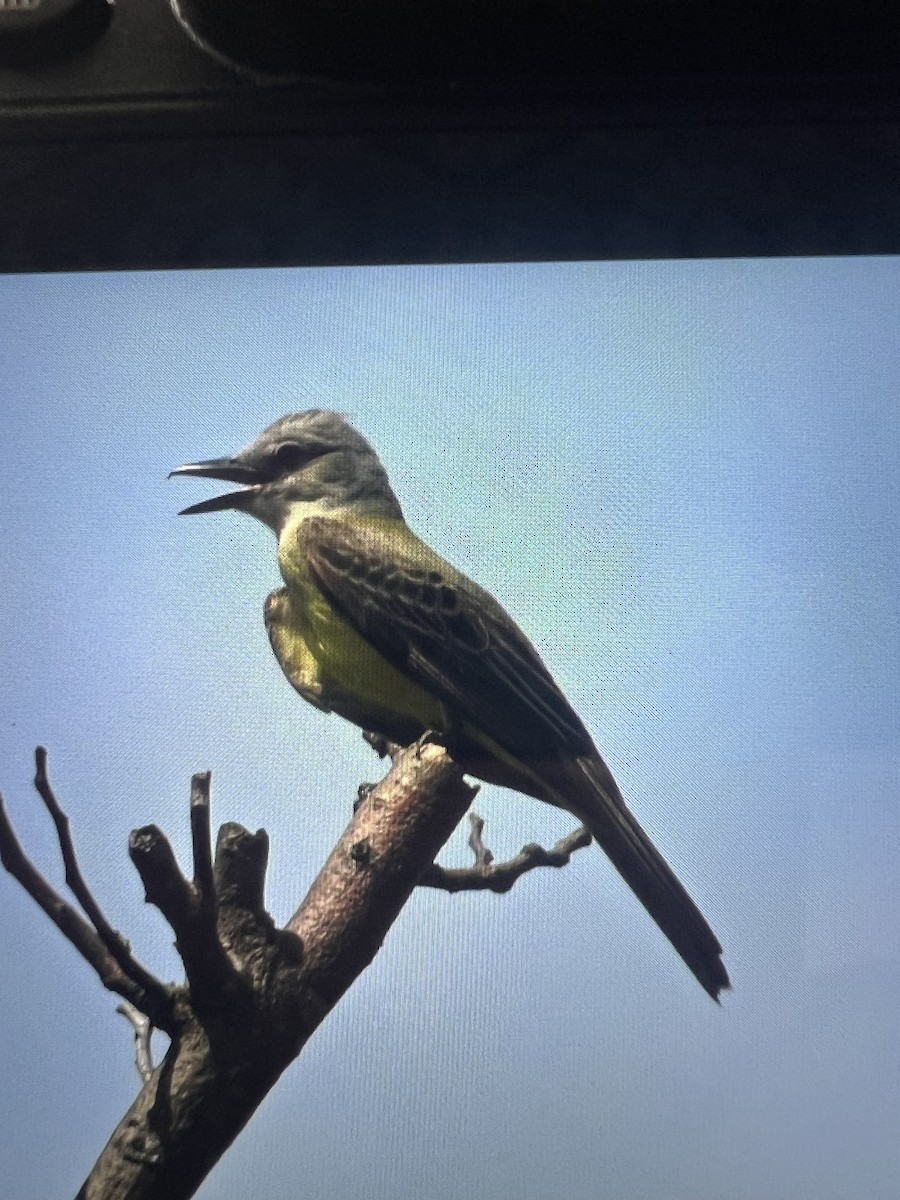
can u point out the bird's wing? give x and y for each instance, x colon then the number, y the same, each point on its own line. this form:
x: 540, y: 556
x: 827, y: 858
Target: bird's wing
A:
x: 443, y: 631
x: 293, y: 654
x: 455, y: 640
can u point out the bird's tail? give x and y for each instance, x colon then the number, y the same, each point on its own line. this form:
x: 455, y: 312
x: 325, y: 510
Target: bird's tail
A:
x: 600, y: 806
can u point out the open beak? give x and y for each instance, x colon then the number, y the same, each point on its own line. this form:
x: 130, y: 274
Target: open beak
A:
x: 231, y: 469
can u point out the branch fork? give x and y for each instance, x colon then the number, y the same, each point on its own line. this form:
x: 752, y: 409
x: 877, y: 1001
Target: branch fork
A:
x: 253, y: 993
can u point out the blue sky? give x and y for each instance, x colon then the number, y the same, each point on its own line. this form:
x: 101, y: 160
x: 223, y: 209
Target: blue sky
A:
x: 681, y: 478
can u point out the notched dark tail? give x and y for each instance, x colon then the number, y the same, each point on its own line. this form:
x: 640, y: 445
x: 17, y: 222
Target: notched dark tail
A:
x: 652, y: 879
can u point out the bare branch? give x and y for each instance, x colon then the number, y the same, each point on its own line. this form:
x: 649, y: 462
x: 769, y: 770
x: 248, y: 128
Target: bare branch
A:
x: 143, y: 1031
x: 255, y: 992
x: 401, y: 825
x: 241, y: 861
x: 488, y: 875
x: 211, y: 974
x: 483, y: 856
x: 117, y: 945
x: 60, y: 912
x: 201, y: 840
x: 121, y: 975
x: 227, y: 1056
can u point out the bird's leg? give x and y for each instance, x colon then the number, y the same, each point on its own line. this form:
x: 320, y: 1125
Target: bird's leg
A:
x: 431, y: 737
x: 362, y: 794
x: 382, y: 745
x: 451, y: 735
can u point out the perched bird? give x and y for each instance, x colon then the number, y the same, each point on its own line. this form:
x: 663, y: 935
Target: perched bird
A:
x: 373, y: 624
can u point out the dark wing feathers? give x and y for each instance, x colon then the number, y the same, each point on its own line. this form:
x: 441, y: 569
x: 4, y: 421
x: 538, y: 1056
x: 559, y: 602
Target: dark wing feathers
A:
x: 454, y: 639
x: 443, y: 631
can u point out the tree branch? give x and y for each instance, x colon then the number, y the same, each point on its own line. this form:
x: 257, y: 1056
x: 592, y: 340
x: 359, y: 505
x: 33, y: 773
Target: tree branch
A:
x: 396, y: 833
x: 98, y: 943
x: 201, y: 843
x: 143, y: 1031
x: 254, y: 992
x: 232, y: 1041
x: 488, y: 875
x: 213, y: 979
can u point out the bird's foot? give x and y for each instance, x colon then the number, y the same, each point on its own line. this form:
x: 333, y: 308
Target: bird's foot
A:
x: 383, y: 746
x: 431, y: 737
x: 363, y: 792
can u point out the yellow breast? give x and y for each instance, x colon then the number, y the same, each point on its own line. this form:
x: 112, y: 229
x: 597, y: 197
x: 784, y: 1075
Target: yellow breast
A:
x: 332, y: 665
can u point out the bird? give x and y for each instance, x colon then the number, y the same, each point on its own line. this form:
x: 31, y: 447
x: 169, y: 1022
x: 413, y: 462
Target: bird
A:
x: 373, y: 624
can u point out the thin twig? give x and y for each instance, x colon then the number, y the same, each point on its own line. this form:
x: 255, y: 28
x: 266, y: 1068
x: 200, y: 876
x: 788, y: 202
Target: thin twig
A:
x: 117, y: 945
x: 483, y: 856
x: 153, y: 998
x: 201, y: 841
x: 491, y: 876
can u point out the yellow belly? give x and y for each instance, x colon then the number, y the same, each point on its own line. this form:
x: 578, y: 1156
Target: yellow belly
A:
x: 333, y: 666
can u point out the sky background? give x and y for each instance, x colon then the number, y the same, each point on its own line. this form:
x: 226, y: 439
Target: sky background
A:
x: 681, y: 478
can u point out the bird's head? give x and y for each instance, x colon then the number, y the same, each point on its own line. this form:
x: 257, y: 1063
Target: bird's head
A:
x: 313, y: 458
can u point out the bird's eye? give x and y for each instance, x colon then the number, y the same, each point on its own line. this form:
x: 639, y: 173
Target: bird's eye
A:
x: 290, y: 457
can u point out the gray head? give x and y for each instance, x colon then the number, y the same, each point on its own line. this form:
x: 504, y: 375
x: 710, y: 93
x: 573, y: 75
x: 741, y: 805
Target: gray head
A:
x: 313, y: 457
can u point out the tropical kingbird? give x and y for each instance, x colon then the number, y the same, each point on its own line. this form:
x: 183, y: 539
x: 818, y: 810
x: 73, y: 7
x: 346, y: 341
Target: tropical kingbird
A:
x: 374, y: 625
